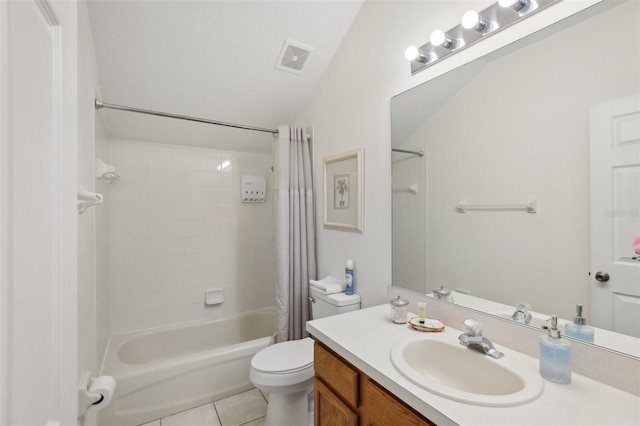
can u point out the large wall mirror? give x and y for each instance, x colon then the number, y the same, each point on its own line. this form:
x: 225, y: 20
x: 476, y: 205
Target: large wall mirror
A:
x: 549, y: 117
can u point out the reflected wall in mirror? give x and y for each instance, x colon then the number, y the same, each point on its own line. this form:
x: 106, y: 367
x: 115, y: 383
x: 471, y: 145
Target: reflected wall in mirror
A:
x: 505, y: 127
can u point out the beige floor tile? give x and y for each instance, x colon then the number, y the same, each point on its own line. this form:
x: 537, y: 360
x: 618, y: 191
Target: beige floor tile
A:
x: 204, y: 415
x: 153, y: 423
x: 258, y: 422
x: 242, y: 408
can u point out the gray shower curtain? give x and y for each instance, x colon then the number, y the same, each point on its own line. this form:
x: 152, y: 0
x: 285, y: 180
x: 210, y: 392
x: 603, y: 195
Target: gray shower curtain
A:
x: 294, y: 242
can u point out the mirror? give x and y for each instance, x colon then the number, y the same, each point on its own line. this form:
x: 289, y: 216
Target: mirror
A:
x: 509, y: 126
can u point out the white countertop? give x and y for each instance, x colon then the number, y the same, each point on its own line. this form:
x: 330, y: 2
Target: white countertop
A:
x: 365, y: 338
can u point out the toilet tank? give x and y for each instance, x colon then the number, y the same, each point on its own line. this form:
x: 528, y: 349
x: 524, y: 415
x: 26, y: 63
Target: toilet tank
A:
x: 324, y: 305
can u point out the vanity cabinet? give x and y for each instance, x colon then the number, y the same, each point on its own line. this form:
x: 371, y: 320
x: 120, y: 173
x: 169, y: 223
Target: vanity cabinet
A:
x: 346, y: 396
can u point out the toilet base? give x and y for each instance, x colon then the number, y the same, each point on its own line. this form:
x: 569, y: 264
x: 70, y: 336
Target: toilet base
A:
x: 294, y: 409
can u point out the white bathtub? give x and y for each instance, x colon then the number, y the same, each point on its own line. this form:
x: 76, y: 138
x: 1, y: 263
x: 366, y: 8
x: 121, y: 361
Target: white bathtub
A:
x: 164, y: 371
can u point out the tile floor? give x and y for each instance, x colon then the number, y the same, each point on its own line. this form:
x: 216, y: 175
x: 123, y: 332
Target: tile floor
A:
x: 246, y: 408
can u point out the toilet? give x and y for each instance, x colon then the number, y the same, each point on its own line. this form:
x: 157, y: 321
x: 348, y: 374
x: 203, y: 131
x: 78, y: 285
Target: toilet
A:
x: 284, y: 371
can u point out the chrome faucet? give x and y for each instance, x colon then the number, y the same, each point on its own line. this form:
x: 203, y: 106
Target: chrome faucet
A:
x: 473, y: 338
x: 522, y: 313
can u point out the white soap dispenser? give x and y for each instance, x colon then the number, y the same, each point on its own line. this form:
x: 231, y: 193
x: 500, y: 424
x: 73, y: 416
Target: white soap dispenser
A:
x: 579, y: 329
x: 555, y: 355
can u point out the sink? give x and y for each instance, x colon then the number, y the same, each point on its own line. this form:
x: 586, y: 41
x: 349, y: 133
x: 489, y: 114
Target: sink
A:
x: 446, y: 368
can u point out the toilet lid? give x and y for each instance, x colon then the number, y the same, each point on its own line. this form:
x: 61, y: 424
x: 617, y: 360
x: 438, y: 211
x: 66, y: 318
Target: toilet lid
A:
x: 285, y: 357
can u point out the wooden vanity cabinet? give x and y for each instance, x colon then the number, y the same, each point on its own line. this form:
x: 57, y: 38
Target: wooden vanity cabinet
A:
x: 345, y: 396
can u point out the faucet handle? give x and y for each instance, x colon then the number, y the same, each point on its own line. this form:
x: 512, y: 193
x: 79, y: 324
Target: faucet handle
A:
x: 472, y: 327
x: 522, y: 314
x: 522, y: 307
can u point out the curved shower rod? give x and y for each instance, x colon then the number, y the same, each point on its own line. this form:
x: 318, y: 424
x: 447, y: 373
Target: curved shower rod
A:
x: 99, y: 105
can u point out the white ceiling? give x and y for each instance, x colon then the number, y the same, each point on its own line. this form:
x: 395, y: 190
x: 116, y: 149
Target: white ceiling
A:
x: 210, y: 59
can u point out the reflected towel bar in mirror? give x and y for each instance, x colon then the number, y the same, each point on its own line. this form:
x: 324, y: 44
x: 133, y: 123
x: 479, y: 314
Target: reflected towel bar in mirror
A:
x: 531, y: 206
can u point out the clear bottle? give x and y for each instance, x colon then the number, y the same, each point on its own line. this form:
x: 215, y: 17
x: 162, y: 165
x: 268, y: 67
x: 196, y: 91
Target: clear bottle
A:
x: 555, y: 355
x: 348, y: 274
x: 579, y: 329
x: 399, y: 310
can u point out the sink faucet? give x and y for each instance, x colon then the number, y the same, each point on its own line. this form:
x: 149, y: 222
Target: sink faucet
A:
x: 473, y: 338
x: 522, y: 313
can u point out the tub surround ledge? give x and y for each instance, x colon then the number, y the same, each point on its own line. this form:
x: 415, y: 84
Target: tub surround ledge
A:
x: 365, y: 338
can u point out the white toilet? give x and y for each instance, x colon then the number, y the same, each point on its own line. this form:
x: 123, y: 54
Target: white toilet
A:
x: 284, y: 371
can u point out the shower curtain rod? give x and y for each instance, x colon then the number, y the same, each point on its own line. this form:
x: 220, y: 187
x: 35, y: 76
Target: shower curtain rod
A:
x: 99, y: 105
x: 406, y: 151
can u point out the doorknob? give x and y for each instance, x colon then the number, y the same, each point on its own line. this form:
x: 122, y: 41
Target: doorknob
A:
x: 602, y: 276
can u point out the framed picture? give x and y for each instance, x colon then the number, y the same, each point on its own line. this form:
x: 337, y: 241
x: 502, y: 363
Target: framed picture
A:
x: 343, y: 191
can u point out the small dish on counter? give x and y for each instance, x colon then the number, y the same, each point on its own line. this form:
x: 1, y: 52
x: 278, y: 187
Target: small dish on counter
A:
x: 429, y: 324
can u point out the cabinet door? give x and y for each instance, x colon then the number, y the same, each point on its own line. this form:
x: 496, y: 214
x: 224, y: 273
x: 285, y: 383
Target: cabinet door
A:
x: 329, y: 409
x: 382, y: 409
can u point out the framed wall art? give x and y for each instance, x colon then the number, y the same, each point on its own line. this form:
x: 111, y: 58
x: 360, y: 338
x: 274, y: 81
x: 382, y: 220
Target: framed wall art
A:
x: 343, y: 191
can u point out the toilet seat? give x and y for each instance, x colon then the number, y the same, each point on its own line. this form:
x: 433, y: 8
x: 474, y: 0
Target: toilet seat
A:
x: 285, y: 358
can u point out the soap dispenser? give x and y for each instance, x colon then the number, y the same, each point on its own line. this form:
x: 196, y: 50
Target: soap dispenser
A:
x: 579, y: 329
x: 555, y: 355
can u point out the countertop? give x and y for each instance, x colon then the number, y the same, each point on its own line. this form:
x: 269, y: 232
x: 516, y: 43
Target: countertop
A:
x: 365, y: 338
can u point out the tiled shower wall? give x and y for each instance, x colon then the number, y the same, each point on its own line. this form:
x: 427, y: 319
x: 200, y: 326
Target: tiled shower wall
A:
x: 177, y: 228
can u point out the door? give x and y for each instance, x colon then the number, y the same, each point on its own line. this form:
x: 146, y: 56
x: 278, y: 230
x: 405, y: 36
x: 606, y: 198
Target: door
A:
x: 38, y: 218
x: 615, y: 214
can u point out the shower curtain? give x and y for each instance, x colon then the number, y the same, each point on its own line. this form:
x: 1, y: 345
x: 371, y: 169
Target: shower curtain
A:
x: 294, y: 242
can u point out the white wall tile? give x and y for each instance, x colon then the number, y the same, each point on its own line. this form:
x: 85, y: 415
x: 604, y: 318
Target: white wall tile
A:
x: 178, y: 227
x: 196, y: 163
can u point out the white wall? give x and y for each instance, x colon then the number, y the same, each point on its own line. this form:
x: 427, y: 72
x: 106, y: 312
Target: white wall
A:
x: 103, y: 298
x: 177, y: 227
x: 350, y: 109
x: 410, y: 218
x: 90, y: 299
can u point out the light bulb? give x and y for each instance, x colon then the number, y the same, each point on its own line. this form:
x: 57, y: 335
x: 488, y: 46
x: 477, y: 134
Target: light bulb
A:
x: 440, y: 38
x: 472, y: 19
x: 414, y: 54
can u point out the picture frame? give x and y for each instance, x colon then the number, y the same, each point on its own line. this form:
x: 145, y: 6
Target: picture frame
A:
x: 344, y: 191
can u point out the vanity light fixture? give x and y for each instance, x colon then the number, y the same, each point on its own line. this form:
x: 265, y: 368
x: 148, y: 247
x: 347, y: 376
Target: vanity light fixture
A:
x: 473, y: 27
x: 473, y: 20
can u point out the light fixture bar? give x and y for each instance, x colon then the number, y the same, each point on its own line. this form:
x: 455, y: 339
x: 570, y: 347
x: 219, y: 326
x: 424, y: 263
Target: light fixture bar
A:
x: 491, y: 20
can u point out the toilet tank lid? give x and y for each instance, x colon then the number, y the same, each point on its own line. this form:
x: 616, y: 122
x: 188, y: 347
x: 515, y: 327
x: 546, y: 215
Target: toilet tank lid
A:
x: 337, y: 299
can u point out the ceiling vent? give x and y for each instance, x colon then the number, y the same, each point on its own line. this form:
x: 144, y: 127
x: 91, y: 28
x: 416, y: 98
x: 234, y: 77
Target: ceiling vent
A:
x: 293, y: 57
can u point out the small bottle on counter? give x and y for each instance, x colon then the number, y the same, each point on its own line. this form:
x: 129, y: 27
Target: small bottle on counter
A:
x: 422, y: 312
x: 348, y: 275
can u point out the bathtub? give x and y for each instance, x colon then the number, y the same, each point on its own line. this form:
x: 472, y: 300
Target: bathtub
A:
x: 164, y: 371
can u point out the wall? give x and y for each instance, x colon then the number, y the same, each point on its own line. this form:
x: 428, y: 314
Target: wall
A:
x: 177, y: 227
x: 103, y: 298
x: 350, y: 110
x: 91, y: 300
x: 410, y: 218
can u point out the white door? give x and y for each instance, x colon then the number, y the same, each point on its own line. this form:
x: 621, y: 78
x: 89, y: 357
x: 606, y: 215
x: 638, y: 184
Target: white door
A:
x: 615, y: 214
x: 38, y: 219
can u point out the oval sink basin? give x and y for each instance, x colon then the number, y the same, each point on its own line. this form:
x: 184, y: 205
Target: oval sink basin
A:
x: 462, y: 374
